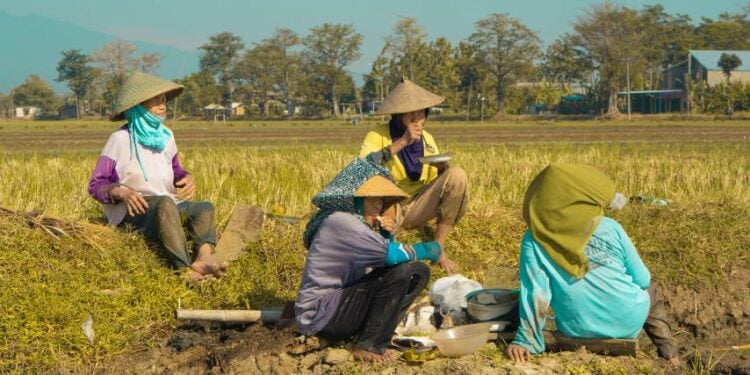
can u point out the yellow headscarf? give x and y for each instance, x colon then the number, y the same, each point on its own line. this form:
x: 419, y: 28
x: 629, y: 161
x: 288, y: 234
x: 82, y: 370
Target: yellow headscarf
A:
x: 563, y: 207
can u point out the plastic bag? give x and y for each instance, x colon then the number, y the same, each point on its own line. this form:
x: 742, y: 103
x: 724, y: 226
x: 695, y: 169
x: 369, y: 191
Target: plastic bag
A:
x: 618, y: 202
x: 418, y: 320
x: 450, y: 292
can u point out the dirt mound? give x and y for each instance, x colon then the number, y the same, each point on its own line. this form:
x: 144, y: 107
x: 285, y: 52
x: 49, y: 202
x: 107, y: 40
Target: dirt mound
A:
x: 212, y: 349
x: 711, y: 319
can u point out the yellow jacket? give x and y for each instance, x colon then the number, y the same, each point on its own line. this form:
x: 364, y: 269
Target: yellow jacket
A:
x: 380, y: 137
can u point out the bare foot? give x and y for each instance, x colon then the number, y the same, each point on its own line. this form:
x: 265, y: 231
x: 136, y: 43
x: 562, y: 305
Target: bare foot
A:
x: 205, y: 263
x: 675, y: 361
x: 193, y: 276
x: 388, y: 356
x: 206, y: 268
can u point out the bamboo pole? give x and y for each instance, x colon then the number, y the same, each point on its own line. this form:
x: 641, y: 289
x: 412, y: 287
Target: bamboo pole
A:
x: 237, y: 316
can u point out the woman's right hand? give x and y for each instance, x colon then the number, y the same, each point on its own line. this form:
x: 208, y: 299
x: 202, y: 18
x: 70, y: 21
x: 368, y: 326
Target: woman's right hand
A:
x: 387, y: 223
x: 449, y: 266
x: 413, y: 133
x: 518, y: 353
x: 133, y: 199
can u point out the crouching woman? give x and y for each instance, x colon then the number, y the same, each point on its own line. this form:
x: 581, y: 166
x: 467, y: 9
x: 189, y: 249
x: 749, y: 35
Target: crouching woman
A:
x: 583, y: 266
x: 357, y: 282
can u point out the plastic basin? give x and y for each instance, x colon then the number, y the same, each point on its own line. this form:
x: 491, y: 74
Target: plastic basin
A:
x: 501, y: 302
x: 461, y: 340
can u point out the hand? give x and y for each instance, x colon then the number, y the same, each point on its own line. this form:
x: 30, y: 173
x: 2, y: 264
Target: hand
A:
x: 387, y: 223
x: 450, y: 267
x: 518, y: 353
x: 413, y: 133
x: 187, y: 188
x: 133, y: 199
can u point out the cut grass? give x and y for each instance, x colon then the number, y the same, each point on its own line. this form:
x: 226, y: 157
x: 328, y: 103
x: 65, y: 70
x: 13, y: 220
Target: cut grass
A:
x: 51, y: 286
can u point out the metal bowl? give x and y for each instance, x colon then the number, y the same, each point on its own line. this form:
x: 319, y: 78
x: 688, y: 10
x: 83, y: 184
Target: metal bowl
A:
x: 436, y: 159
x: 489, y: 304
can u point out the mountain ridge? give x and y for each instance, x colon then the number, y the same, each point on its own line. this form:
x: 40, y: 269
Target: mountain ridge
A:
x: 33, y: 45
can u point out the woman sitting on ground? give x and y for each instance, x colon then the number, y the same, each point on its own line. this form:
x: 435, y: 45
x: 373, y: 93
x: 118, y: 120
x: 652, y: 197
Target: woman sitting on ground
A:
x: 138, y: 175
x: 583, y: 266
x: 439, y: 191
x: 357, y: 282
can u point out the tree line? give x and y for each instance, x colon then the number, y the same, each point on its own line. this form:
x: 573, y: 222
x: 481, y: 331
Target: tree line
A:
x: 500, y: 68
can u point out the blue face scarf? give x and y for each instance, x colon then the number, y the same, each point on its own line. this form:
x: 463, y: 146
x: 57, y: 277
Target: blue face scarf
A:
x: 146, y: 130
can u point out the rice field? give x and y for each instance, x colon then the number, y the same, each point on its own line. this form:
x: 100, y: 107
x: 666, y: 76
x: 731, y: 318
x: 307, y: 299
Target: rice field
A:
x: 270, y: 164
x: 51, y: 286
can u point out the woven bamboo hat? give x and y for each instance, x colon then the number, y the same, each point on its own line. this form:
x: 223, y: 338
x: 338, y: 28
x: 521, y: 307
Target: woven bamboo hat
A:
x: 379, y: 186
x: 407, y: 97
x: 139, y: 87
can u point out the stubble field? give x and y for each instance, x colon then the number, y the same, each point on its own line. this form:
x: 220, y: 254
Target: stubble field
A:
x: 696, y: 247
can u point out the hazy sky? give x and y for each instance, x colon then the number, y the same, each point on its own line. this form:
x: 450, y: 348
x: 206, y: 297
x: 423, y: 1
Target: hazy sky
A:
x: 188, y: 23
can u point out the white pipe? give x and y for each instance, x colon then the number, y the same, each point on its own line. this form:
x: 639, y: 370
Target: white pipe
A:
x: 248, y: 316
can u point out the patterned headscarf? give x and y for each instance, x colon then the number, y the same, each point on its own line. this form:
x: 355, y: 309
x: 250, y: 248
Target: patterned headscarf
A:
x: 338, y: 195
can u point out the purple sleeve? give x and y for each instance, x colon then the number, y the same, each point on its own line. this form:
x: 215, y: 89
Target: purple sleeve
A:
x: 366, y: 247
x: 179, y: 173
x: 104, y: 175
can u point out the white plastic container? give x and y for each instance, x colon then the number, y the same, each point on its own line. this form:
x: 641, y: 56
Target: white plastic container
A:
x: 462, y: 340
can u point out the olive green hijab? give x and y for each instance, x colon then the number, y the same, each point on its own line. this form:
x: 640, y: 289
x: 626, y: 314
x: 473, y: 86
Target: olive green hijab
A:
x: 563, y: 207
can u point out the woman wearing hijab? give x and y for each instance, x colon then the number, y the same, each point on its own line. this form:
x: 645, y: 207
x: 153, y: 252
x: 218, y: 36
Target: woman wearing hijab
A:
x: 138, y: 175
x: 358, y: 282
x: 437, y: 191
x: 583, y: 266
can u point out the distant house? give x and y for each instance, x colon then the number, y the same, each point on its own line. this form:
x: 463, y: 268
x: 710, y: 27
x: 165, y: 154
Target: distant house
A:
x: 67, y: 111
x: 348, y: 109
x: 704, y: 66
x: 214, y: 111
x: 238, y: 109
x: 371, y: 104
x: 700, y: 66
x: 652, y: 101
x: 26, y: 112
x: 296, y: 110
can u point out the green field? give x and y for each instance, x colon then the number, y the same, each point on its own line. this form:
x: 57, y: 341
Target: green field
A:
x: 50, y: 286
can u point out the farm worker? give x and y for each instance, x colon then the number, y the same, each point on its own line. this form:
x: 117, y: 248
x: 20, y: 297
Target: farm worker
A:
x: 358, y: 282
x: 583, y: 266
x: 437, y: 191
x: 138, y: 175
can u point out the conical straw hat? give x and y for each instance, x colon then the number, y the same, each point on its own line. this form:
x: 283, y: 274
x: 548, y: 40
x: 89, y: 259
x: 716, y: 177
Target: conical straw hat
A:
x: 407, y: 97
x: 139, y: 87
x: 379, y: 186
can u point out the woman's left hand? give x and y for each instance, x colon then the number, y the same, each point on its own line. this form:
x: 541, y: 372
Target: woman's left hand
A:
x: 186, y: 187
